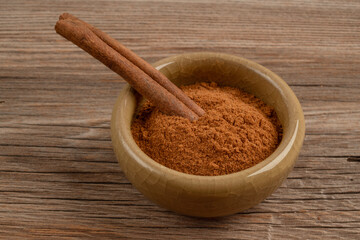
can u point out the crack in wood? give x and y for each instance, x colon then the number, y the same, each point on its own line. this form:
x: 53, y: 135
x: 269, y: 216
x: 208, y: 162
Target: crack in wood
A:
x: 353, y: 159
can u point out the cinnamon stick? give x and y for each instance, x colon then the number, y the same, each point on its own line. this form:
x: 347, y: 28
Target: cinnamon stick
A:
x: 142, y: 64
x: 80, y: 34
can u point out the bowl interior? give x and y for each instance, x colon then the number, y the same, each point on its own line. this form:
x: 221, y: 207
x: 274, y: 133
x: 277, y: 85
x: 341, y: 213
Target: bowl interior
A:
x: 227, y: 70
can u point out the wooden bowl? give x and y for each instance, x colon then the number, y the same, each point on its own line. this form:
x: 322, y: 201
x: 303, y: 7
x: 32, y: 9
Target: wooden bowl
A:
x: 211, y: 196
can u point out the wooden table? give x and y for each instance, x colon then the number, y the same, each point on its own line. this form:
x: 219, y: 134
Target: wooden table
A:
x: 58, y: 175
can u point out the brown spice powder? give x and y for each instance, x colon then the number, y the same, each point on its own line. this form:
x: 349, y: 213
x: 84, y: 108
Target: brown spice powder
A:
x: 237, y: 132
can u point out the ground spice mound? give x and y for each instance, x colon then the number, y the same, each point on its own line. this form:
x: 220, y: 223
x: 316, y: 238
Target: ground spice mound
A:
x: 237, y: 132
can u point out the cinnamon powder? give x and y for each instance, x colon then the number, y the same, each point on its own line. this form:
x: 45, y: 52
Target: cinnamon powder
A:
x: 237, y: 132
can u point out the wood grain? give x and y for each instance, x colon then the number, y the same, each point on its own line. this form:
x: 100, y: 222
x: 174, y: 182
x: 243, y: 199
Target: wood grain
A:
x: 58, y: 175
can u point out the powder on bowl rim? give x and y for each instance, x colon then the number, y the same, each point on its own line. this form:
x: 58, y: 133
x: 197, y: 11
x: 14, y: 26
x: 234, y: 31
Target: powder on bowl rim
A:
x: 238, y: 131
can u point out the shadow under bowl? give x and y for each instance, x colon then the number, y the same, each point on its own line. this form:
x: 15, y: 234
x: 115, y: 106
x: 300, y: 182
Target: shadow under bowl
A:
x: 211, y: 196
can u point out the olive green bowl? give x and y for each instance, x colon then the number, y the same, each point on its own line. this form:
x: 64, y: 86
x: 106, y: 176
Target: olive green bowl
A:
x: 211, y: 196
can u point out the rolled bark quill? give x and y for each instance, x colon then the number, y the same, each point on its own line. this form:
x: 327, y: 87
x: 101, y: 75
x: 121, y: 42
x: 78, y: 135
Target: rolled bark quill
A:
x: 148, y: 81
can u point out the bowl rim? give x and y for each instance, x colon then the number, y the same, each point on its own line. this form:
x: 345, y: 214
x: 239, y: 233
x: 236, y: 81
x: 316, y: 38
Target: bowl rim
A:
x: 296, y: 119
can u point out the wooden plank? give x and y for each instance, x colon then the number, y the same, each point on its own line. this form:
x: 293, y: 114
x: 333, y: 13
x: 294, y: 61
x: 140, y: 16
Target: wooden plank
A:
x: 58, y: 175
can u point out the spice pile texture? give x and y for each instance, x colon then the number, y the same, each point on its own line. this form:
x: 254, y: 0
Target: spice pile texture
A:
x: 237, y: 132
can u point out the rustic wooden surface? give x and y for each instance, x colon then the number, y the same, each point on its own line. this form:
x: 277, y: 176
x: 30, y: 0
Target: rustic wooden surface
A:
x: 58, y: 174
